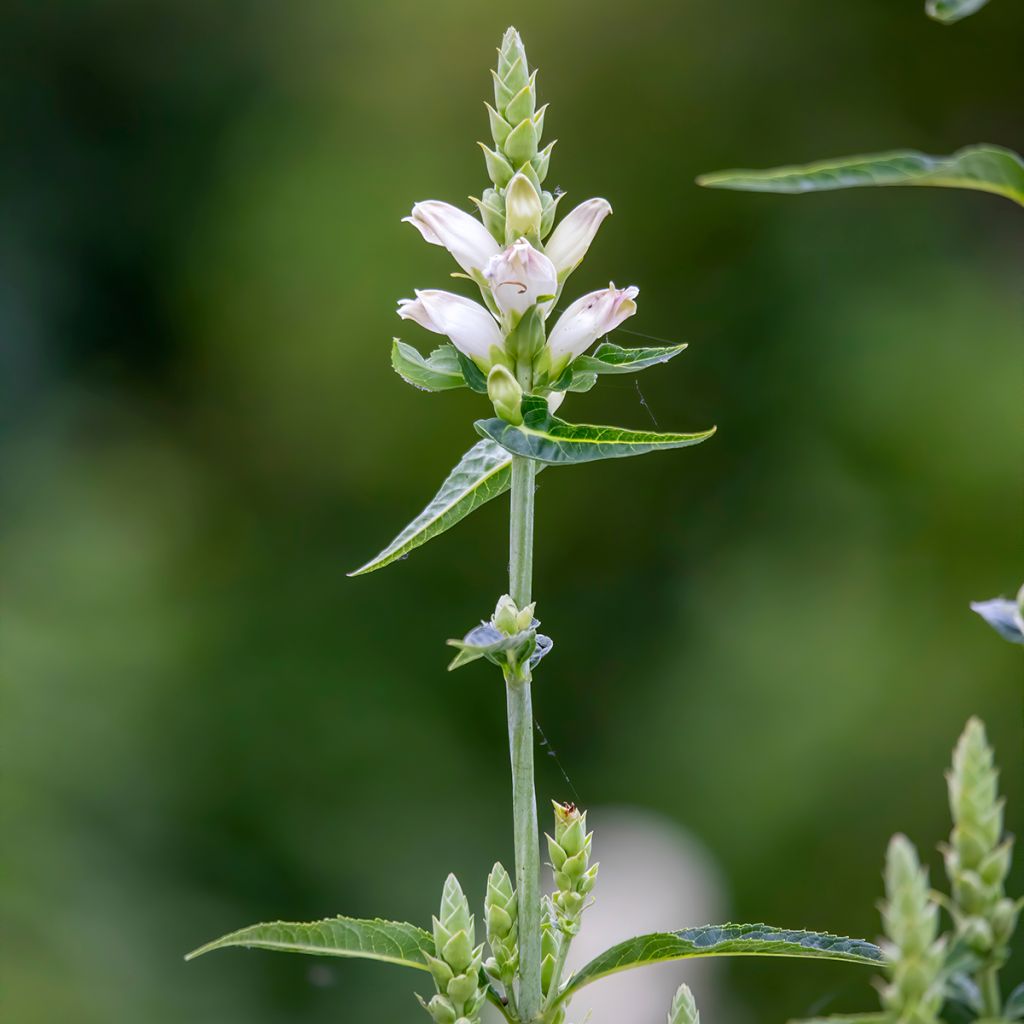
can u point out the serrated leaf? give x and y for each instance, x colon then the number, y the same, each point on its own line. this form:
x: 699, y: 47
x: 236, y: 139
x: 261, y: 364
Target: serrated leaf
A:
x: 948, y: 11
x: 440, y: 371
x: 394, y: 942
x: 472, y: 374
x: 548, y: 439
x: 482, y: 473
x: 609, y: 358
x: 723, y: 940
x: 984, y: 168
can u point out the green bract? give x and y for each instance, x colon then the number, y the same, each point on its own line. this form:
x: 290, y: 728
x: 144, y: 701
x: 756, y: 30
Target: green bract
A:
x: 984, y: 168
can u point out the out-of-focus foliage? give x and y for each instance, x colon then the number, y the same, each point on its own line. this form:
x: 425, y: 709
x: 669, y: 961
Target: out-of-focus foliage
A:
x: 205, y: 723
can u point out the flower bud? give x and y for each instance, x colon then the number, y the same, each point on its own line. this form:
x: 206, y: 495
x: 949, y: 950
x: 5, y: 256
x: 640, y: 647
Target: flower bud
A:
x: 523, y: 209
x: 501, y: 913
x: 521, y: 277
x: 570, y: 241
x: 916, y: 956
x: 505, y: 394
x: 569, y: 851
x: 506, y: 612
x: 684, y: 1008
x: 456, y: 966
x: 978, y: 858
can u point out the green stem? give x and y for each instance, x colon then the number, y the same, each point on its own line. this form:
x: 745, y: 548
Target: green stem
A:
x: 554, y: 993
x: 992, y: 1001
x: 520, y: 736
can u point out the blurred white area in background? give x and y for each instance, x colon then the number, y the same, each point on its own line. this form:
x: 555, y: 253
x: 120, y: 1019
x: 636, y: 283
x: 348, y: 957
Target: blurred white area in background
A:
x: 654, y: 877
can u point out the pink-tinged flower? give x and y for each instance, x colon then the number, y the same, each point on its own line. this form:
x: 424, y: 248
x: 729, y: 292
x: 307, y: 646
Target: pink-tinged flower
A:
x: 588, y: 319
x: 520, y: 276
x: 570, y: 241
x: 460, y: 233
x: 469, y: 327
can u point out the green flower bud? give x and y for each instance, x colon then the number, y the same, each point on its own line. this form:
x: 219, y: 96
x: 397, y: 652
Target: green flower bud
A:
x: 501, y: 913
x: 574, y: 877
x: 507, y: 397
x: 978, y: 858
x: 456, y: 966
x: 911, y: 922
x: 684, y: 1008
x: 506, y: 611
x: 523, y: 209
x: 491, y: 206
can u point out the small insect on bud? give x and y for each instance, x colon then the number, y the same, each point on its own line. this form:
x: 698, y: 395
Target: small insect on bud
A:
x: 505, y: 393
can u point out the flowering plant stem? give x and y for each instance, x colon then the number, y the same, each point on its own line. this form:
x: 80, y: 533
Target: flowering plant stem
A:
x: 520, y: 739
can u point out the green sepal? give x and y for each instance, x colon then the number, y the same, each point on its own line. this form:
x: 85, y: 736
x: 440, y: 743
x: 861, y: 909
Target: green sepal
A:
x: 949, y: 11
x: 723, y: 940
x: 486, y: 641
x: 500, y: 128
x: 609, y: 358
x: 523, y: 105
x: 482, y: 473
x: 440, y: 371
x: 984, y: 168
x: 548, y: 439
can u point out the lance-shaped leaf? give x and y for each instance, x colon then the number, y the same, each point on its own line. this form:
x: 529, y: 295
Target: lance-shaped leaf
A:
x: 948, y: 11
x: 548, y: 439
x: 440, y: 371
x: 483, y: 473
x: 393, y: 942
x: 723, y: 940
x: 609, y: 358
x: 982, y: 168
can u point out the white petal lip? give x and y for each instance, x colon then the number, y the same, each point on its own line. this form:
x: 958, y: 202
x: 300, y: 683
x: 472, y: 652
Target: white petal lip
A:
x: 469, y: 327
x: 589, y: 318
x: 460, y: 233
x: 571, y: 239
x: 519, y: 276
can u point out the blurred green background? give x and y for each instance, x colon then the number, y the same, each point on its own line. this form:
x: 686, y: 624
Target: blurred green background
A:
x: 766, y: 638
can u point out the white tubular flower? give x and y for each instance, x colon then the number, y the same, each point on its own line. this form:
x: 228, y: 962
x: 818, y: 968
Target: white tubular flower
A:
x: 588, y: 319
x: 469, y: 327
x: 570, y: 241
x: 460, y: 233
x: 520, y: 276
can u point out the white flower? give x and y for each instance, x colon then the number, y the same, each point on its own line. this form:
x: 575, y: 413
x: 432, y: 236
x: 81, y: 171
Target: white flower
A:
x: 555, y: 399
x: 588, y: 319
x: 470, y: 328
x: 460, y: 233
x: 519, y: 276
x: 570, y: 241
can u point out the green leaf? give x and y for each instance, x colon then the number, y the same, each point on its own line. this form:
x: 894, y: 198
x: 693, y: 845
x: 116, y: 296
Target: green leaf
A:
x: 723, y: 940
x: 440, y: 371
x: 548, y: 439
x: 948, y: 11
x: 984, y: 168
x: 609, y: 358
x: 483, y: 473
x: 393, y: 942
